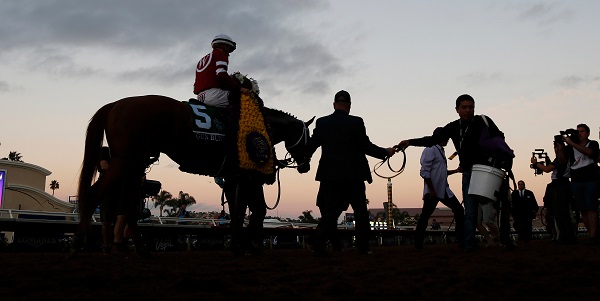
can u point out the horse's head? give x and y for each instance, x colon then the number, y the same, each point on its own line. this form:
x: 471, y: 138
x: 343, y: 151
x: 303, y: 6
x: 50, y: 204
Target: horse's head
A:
x: 297, y: 148
x: 294, y: 133
x: 284, y: 127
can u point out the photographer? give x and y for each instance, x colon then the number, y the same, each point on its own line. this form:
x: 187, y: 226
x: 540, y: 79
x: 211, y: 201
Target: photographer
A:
x: 558, y: 193
x: 584, y: 177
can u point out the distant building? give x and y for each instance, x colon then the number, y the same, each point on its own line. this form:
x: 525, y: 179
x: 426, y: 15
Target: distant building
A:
x: 444, y: 216
x: 24, y: 188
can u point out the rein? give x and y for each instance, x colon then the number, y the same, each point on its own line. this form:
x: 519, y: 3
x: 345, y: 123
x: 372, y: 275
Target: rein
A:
x: 288, y: 162
x: 303, y: 135
x: 278, y: 192
x: 396, y: 172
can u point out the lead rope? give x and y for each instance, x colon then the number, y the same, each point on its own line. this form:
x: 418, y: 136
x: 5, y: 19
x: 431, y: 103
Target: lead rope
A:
x: 278, y: 191
x: 396, y: 172
x: 287, y: 162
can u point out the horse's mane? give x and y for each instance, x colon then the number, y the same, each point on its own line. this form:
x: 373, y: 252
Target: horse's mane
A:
x: 250, y: 83
x: 280, y: 112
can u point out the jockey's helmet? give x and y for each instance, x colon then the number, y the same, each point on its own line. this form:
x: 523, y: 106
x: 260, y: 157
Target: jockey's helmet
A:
x: 223, y: 39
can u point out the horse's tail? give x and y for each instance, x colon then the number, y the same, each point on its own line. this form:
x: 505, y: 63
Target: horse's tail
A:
x: 93, y: 145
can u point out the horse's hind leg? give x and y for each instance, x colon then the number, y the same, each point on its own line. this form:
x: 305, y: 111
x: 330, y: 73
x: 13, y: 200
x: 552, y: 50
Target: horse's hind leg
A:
x: 127, y: 227
x: 87, y: 207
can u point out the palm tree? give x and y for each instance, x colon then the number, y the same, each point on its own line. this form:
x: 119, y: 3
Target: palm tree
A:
x: 14, y: 156
x: 400, y: 217
x: 54, y: 185
x: 183, y: 199
x: 173, y: 210
x: 307, y: 217
x: 162, y: 199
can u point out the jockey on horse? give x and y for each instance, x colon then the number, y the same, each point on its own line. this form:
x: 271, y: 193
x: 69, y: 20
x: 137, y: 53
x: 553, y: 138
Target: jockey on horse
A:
x: 238, y: 95
x: 213, y: 84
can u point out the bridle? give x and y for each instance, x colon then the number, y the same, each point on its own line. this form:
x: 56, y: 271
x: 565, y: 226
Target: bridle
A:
x: 288, y: 159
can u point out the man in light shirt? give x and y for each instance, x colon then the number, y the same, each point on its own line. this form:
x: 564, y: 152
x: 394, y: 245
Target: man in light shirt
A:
x: 434, y: 171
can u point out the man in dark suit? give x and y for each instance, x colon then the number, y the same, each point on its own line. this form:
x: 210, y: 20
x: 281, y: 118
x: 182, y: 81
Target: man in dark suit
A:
x: 343, y: 168
x: 524, y: 207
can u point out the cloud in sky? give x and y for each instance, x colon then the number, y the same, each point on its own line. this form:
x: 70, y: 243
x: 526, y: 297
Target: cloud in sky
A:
x: 159, y: 41
x: 4, y: 86
x: 545, y: 13
x: 574, y: 81
x: 483, y: 78
x: 56, y: 61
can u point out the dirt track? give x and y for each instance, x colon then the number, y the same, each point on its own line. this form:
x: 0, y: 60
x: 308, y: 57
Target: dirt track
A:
x: 538, y: 270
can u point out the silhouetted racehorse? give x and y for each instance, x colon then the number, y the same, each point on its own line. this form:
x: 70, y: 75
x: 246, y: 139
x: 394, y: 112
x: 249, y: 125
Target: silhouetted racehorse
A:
x: 140, y: 128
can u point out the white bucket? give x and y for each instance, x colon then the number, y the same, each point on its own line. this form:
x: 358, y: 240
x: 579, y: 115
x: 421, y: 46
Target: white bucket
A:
x: 485, y: 181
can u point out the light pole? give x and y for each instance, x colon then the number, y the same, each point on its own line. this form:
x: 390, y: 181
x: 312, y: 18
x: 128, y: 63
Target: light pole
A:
x: 390, y: 221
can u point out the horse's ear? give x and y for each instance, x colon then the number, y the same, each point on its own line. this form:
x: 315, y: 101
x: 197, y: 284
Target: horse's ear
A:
x: 307, y: 123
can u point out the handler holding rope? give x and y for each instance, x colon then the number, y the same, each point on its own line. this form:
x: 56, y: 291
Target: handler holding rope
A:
x: 343, y: 168
x: 466, y: 133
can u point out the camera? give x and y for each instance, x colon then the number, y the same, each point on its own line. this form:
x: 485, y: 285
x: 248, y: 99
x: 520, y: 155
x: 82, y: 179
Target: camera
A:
x: 540, y: 154
x: 573, y: 134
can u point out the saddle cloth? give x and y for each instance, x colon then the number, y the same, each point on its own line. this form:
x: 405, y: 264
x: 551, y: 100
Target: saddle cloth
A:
x: 248, y: 134
x: 209, y: 121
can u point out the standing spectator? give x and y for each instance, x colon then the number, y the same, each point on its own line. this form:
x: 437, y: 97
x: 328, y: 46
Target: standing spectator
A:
x: 466, y: 134
x: 246, y: 192
x: 343, y: 170
x: 222, y: 216
x: 434, y: 171
x: 558, y: 196
x: 107, y: 216
x: 115, y: 229
x: 435, y: 225
x: 181, y: 214
x: 584, y: 177
x: 524, y: 208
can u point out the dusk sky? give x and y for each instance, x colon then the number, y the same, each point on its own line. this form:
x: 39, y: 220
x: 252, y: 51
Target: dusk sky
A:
x: 532, y: 66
